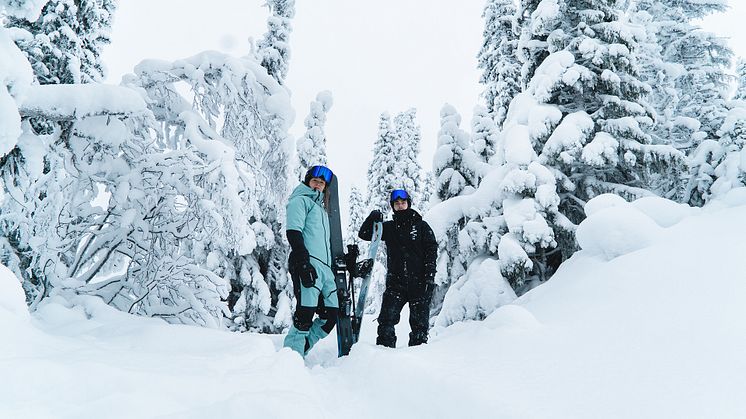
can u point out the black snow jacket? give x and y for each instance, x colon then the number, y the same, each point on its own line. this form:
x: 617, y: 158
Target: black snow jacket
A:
x: 411, y: 250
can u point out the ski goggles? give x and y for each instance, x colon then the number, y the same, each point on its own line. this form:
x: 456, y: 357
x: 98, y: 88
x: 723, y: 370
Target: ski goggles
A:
x: 322, y: 172
x: 399, y: 194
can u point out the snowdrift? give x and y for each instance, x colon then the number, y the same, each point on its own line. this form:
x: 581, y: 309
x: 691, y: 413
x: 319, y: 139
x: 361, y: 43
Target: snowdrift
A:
x: 647, y: 321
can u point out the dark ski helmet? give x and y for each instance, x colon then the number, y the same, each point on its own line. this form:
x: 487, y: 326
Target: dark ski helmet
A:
x: 400, y: 194
x: 321, y: 172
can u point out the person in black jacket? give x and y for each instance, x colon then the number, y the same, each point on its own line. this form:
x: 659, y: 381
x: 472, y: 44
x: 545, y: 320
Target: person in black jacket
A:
x: 411, y: 251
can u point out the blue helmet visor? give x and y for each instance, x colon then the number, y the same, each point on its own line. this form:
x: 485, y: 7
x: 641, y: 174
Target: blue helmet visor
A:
x: 322, y: 172
x: 399, y: 194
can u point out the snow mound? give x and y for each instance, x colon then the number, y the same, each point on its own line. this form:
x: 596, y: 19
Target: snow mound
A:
x: 663, y: 211
x: 615, y: 228
x: 12, y: 297
x: 476, y: 294
x: 733, y: 198
x: 512, y: 316
x: 602, y: 202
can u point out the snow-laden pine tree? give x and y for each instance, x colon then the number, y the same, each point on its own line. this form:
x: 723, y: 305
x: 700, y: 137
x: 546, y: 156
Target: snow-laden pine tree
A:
x: 497, y: 57
x: 591, y: 76
x: 381, y: 169
x: 357, y: 216
x: 720, y: 165
x: 454, y: 176
x: 575, y: 133
x: 484, y: 134
x: 428, y: 187
x: 536, y: 20
x: 311, y: 147
x: 730, y: 171
x: 696, y: 62
x: 407, y: 168
x: 273, y: 50
x: 740, y: 93
x: 64, y: 44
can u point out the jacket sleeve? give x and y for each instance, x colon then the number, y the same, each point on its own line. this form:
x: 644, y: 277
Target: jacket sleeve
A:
x: 296, y: 214
x: 430, y: 256
x: 366, y: 230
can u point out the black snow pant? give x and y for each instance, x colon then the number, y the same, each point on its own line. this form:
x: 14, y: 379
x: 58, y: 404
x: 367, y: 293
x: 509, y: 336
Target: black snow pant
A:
x: 391, y: 306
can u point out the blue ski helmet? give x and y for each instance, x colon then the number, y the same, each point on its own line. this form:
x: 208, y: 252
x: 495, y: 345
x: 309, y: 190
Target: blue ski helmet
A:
x: 400, y: 194
x: 321, y: 172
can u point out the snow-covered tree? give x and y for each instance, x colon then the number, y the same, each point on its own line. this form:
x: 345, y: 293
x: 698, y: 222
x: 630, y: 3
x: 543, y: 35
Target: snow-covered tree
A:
x: 577, y: 131
x: 720, y: 164
x: 536, y: 20
x: 312, y: 146
x: 235, y: 92
x: 428, y: 187
x: 740, y: 93
x: 689, y: 76
x: 64, y: 44
x: 497, y: 58
x: 407, y: 168
x: 453, y: 176
x: 484, y: 134
x: 273, y: 50
x: 357, y: 216
x: 381, y: 174
x: 599, y: 143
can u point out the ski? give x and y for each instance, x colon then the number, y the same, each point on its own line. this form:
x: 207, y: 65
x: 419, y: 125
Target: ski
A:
x: 364, y: 270
x: 339, y: 267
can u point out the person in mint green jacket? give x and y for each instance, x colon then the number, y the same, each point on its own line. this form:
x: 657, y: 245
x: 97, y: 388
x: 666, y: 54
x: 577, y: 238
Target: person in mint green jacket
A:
x: 310, y: 261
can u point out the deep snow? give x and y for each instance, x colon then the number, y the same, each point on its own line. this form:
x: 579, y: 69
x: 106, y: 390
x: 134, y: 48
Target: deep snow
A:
x: 650, y: 329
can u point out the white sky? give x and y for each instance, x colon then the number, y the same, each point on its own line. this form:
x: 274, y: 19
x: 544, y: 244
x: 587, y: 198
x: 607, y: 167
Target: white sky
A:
x: 387, y: 55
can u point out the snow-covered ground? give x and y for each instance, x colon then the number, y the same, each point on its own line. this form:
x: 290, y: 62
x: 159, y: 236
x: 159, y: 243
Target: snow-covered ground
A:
x: 648, y: 321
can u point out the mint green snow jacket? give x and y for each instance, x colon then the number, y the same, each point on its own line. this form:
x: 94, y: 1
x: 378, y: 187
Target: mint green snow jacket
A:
x: 306, y: 213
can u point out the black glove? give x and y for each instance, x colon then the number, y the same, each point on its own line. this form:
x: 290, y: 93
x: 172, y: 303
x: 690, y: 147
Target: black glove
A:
x: 351, y: 258
x: 302, y: 271
x: 376, y: 215
x: 299, y: 263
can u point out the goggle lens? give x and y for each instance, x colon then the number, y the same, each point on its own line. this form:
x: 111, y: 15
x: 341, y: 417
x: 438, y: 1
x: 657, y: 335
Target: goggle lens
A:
x: 399, y: 194
x: 322, y: 172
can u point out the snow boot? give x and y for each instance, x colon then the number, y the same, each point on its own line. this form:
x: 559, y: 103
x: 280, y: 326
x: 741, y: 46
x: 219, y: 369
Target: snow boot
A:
x: 316, y: 333
x: 297, y: 340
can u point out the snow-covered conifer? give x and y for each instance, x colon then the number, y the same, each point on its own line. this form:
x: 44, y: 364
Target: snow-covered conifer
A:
x: 273, y: 50
x: 576, y: 132
x: 740, y: 93
x: 65, y: 43
x: 696, y: 62
x: 381, y: 175
x: 719, y: 164
x: 357, y: 215
x: 497, y: 58
x: 407, y: 168
x: 453, y: 176
x: 312, y: 146
x: 428, y: 187
x: 484, y: 134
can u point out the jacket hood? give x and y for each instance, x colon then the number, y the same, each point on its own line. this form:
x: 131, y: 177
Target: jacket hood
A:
x: 305, y: 190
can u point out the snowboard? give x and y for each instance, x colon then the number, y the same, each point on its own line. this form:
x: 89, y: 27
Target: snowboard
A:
x: 345, y: 290
x: 364, y: 270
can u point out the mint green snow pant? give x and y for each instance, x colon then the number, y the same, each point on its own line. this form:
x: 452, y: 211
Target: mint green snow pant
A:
x: 305, y: 333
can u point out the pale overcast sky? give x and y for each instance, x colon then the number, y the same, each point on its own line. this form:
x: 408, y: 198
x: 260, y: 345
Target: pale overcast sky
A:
x: 386, y: 55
